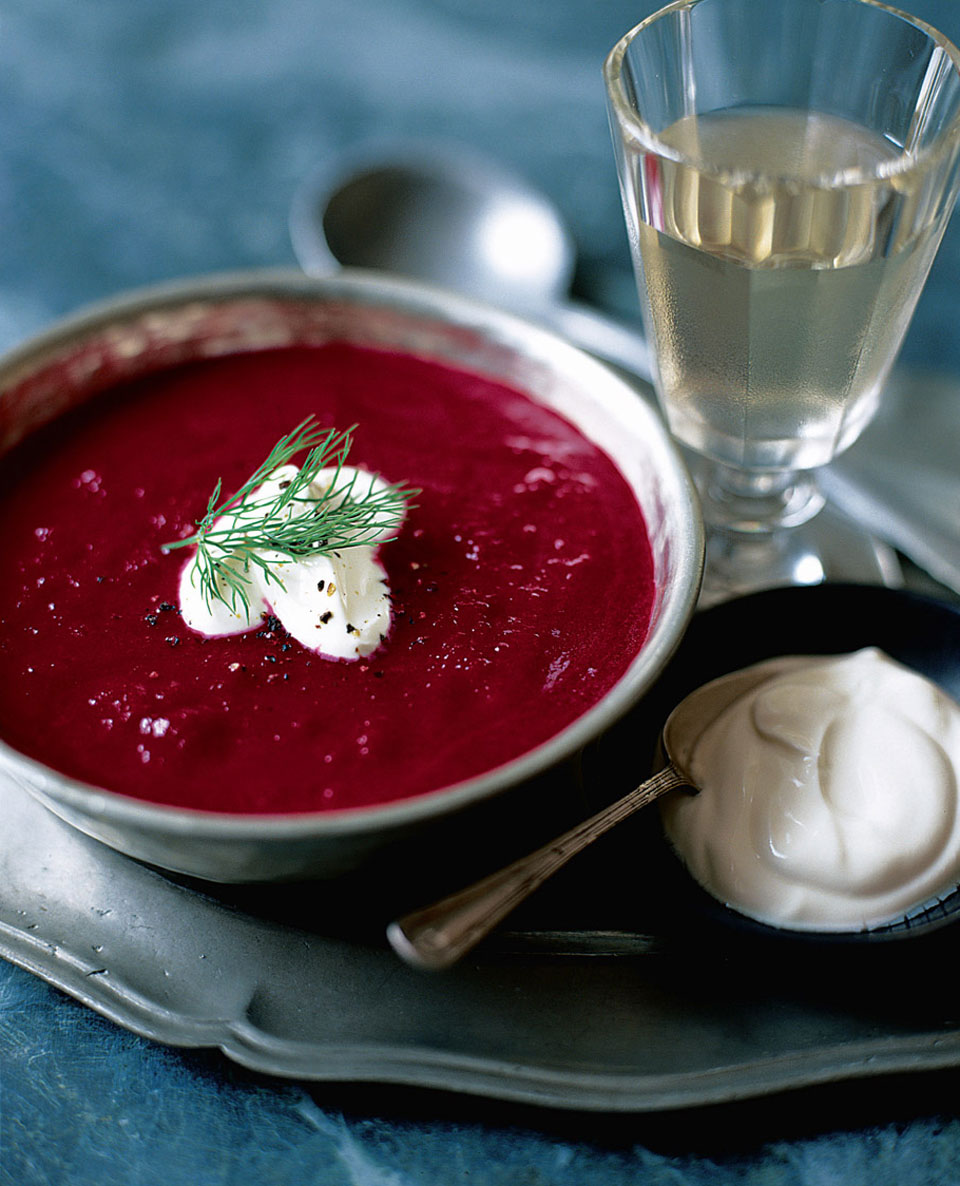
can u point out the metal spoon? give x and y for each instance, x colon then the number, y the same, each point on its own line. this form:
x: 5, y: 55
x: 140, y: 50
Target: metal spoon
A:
x: 438, y: 935
x: 447, y: 215
x: 436, y: 212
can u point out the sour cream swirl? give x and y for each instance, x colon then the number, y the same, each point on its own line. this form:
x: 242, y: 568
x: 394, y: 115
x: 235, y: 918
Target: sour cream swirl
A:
x: 337, y: 604
x: 828, y: 795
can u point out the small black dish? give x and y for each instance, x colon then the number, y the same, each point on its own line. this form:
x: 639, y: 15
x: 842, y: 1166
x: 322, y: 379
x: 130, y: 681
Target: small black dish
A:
x: 918, y: 631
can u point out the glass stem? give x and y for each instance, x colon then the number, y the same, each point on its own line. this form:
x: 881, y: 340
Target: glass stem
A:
x: 758, y: 502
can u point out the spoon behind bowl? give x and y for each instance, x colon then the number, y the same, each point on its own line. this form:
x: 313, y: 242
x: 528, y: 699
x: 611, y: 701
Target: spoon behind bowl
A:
x: 436, y: 212
x: 445, y: 214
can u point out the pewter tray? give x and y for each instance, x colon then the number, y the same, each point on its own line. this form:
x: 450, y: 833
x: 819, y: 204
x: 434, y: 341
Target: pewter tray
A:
x: 600, y: 1017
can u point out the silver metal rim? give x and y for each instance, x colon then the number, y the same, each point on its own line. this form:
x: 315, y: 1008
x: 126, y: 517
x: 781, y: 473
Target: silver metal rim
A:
x: 374, y: 289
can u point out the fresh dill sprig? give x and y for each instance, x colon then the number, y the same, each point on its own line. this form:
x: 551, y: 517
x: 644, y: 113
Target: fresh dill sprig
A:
x: 291, y: 522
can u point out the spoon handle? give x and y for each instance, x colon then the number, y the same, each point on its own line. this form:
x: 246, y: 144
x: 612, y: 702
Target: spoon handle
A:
x: 437, y: 935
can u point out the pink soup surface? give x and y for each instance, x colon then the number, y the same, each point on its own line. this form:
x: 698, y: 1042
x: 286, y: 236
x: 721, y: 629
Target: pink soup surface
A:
x: 522, y: 586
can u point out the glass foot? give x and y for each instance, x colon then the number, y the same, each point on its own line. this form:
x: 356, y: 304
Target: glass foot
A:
x: 768, y: 530
x: 751, y: 502
x: 829, y: 547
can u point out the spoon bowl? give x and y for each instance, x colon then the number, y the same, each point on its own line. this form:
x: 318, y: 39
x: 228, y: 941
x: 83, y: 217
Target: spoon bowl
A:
x: 445, y: 214
x: 435, y: 212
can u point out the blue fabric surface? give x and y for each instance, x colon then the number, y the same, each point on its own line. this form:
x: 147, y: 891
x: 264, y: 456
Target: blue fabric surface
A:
x: 86, y: 1102
x: 144, y: 141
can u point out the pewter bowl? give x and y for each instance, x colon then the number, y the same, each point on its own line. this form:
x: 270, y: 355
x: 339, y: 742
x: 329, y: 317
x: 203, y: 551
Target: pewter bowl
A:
x: 160, y: 327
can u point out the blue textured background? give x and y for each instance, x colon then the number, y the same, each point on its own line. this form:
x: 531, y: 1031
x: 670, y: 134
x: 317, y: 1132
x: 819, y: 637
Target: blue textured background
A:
x: 146, y: 140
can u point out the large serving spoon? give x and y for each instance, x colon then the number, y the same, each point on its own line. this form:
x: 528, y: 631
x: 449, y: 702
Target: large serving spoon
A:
x: 448, y: 215
x: 438, y: 935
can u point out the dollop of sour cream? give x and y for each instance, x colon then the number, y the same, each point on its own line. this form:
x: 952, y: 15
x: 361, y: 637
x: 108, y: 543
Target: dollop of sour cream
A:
x: 828, y: 795
x: 337, y: 604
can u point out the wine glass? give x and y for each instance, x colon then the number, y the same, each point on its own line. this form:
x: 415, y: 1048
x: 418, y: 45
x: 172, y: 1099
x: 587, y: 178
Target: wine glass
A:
x: 787, y: 171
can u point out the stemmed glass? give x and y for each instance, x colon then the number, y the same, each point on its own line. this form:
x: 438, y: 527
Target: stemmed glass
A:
x: 787, y: 169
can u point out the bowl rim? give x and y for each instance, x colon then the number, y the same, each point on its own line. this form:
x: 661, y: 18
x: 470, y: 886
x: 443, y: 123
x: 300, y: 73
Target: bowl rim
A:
x: 415, y: 299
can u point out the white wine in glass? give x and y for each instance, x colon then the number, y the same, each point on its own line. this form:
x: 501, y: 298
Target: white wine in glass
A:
x: 780, y: 246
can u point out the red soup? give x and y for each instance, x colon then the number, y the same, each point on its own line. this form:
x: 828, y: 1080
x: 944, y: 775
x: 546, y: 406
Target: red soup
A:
x: 522, y: 586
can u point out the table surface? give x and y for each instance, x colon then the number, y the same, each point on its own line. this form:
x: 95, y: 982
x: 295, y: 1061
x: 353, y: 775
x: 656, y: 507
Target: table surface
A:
x: 142, y: 142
